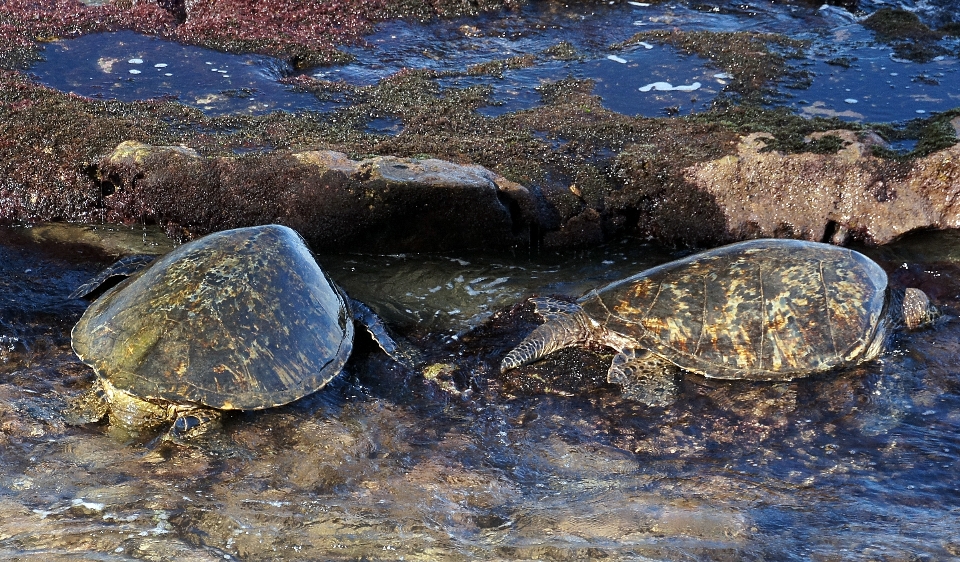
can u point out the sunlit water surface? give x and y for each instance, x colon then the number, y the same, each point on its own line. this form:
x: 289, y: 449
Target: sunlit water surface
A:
x: 385, y: 464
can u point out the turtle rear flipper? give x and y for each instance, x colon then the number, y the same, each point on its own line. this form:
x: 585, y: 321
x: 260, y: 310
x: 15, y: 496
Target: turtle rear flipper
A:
x: 402, y: 354
x: 566, y: 325
x: 644, y: 377
x: 194, y: 422
x: 112, y: 275
x: 200, y: 428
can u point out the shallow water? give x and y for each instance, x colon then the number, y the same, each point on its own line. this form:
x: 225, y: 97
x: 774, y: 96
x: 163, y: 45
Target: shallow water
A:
x: 870, y: 85
x: 464, y: 463
x: 128, y: 66
x: 877, y: 86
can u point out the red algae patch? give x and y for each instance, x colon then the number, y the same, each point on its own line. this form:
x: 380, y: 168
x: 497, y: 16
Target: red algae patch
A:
x: 23, y: 23
x: 304, y: 33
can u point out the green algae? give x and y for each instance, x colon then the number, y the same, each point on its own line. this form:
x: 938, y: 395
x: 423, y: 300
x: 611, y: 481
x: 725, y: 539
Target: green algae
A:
x: 789, y: 130
x: 496, y: 68
x: 895, y: 24
x: 910, y: 38
x: 931, y: 135
x: 564, y: 51
x: 757, y: 61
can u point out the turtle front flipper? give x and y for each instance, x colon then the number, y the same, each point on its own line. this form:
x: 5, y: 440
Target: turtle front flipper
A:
x: 566, y: 325
x: 402, y: 354
x: 89, y: 407
x: 644, y: 377
x: 123, y: 267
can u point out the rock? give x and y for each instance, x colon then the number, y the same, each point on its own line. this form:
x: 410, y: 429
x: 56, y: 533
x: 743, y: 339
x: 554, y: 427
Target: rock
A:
x: 134, y: 153
x: 113, y: 240
x: 581, y: 230
x: 329, y: 160
x: 383, y: 204
x: 391, y: 204
x: 830, y: 196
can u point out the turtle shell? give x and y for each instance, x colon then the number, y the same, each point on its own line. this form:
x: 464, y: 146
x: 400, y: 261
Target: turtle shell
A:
x: 240, y: 319
x: 761, y: 310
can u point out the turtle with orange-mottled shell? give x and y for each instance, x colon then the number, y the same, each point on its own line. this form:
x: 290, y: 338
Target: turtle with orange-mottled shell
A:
x: 758, y: 310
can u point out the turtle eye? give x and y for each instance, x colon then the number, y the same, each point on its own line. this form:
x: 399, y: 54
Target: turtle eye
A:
x: 185, y: 424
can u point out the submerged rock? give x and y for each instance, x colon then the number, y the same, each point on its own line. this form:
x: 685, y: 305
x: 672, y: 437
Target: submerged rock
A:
x: 378, y: 204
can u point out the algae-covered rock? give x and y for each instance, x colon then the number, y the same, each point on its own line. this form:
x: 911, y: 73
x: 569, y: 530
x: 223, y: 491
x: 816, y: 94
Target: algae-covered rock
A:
x: 383, y: 203
x: 134, y: 152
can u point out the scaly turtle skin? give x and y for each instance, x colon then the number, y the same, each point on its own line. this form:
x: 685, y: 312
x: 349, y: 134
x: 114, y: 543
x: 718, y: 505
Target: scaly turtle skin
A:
x: 757, y: 310
x: 243, y: 319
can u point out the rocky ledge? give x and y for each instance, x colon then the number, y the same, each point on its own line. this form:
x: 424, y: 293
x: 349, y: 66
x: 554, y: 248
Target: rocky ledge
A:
x: 384, y: 204
x: 830, y: 197
x: 391, y: 204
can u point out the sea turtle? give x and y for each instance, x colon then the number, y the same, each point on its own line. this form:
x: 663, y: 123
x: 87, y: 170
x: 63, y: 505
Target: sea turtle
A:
x: 756, y: 310
x: 242, y: 319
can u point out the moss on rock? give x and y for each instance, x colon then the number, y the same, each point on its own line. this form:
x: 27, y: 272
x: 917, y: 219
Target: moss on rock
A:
x: 757, y: 61
x: 910, y: 38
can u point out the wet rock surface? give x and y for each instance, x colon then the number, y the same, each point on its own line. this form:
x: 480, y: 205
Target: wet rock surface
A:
x: 379, y: 204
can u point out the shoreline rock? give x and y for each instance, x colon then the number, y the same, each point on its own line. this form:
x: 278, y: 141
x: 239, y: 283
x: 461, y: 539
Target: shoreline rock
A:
x: 382, y: 204
x: 830, y: 197
x: 392, y: 204
x: 586, y: 175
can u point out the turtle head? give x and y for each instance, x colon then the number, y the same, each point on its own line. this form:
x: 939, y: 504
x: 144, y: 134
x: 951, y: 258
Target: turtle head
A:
x: 918, y: 311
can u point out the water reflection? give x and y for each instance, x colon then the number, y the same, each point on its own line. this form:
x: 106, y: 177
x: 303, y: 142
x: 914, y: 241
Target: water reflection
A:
x: 457, y: 293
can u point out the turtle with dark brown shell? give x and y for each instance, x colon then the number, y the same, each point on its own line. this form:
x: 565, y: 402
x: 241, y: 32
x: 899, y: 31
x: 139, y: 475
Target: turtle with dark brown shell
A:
x: 757, y: 310
x: 242, y: 319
